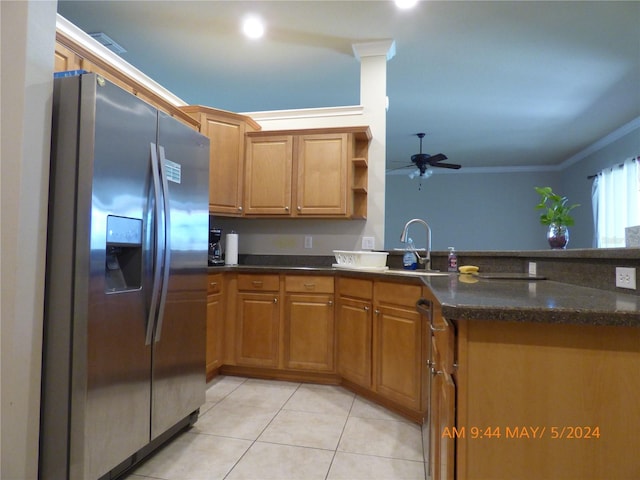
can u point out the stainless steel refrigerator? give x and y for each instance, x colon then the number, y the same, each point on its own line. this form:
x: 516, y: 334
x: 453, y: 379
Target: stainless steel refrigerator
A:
x: 125, y: 309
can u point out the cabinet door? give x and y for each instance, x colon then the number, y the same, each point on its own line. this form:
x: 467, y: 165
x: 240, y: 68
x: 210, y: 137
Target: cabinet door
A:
x: 226, y: 164
x: 322, y: 174
x: 354, y: 340
x: 66, y: 60
x: 257, y: 329
x: 441, y: 460
x: 309, y: 332
x: 215, y: 322
x: 268, y: 175
x: 397, y: 354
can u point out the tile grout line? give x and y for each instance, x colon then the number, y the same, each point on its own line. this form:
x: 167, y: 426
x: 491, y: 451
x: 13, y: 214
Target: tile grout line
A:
x: 253, y: 442
x: 335, y: 452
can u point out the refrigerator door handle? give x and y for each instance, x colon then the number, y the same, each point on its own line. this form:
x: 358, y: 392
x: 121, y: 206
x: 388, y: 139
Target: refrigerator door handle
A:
x: 158, y: 244
x: 167, y: 244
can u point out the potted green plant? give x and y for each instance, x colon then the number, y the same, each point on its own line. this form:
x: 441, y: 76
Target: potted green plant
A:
x: 556, y: 216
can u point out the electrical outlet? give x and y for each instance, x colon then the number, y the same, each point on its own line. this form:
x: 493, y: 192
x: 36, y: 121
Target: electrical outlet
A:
x: 308, y: 241
x: 626, y: 277
x: 368, y: 243
x: 532, y: 268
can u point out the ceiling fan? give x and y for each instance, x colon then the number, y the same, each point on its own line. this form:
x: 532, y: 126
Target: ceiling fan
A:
x: 423, y: 161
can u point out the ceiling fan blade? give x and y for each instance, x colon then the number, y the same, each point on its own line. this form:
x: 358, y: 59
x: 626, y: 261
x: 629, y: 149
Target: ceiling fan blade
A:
x: 399, y: 168
x: 438, y: 157
x: 447, y: 165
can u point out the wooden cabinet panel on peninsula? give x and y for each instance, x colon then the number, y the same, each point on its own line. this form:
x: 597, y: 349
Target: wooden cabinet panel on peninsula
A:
x: 226, y: 132
x: 440, y: 389
x: 554, y: 400
x: 309, y: 323
x: 215, y: 324
x: 258, y: 320
x: 319, y: 173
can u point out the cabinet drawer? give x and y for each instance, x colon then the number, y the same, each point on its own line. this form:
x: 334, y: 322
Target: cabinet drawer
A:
x: 397, y: 294
x: 253, y: 282
x: 355, y: 287
x: 308, y: 284
x: 214, y: 283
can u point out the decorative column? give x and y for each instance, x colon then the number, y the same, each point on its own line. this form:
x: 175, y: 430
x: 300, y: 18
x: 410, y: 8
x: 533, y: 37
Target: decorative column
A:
x: 373, y: 57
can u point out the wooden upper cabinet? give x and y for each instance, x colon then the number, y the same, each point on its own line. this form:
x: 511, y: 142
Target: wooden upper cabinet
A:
x: 73, y: 55
x: 319, y: 173
x: 66, y: 59
x: 268, y: 175
x: 226, y: 132
x: 322, y: 174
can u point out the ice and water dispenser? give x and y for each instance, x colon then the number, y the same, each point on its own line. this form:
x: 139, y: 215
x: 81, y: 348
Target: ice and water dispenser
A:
x: 123, y: 266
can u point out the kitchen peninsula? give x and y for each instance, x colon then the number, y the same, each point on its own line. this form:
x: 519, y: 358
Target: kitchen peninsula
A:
x: 514, y: 378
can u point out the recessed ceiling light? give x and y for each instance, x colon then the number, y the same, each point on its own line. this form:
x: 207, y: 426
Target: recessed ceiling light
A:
x: 253, y: 27
x: 405, y: 4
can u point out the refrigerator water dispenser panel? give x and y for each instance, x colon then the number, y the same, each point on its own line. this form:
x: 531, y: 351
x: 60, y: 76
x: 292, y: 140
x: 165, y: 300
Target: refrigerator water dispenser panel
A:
x: 123, y: 265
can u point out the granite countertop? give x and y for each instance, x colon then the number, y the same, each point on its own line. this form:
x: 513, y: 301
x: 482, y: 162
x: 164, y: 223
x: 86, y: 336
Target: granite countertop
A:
x: 541, y: 301
x: 465, y: 297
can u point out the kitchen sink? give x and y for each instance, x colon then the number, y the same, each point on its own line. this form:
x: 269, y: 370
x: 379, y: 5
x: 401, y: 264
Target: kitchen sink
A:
x: 418, y: 273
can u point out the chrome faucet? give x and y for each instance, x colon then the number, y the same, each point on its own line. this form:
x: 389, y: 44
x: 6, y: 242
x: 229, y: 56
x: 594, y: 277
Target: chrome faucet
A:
x: 426, y: 261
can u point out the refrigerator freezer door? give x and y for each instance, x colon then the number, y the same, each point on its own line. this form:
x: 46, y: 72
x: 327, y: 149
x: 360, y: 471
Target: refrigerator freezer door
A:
x: 179, y: 342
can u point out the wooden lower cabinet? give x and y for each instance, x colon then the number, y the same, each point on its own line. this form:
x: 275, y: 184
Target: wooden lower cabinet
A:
x: 309, y: 336
x: 258, y: 320
x: 215, y: 324
x: 355, y: 330
x: 397, y: 343
x: 370, y: 339
x: 380, y: 342
x: 354, y: 340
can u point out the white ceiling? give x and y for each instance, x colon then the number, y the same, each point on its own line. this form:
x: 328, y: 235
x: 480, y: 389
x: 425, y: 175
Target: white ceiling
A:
x: 494, y: 84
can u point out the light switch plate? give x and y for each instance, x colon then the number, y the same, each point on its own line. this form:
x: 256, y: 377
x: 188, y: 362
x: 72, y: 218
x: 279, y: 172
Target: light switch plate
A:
x: 626, y: 277
x: 308, y: 241
x: 532, y: 268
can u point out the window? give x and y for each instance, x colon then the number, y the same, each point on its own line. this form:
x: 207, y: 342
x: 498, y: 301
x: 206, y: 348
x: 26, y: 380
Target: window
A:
x: 616, y: 202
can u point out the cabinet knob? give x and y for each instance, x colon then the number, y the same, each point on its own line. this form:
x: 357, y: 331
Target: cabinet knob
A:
x: 376, y: 311
x: 366, y: 309
x: 275, y: 300
x: 299, y: 208
x: 239, y: 209
x: 213, y: 284
x: 286, y: 209
x: 330, y: 302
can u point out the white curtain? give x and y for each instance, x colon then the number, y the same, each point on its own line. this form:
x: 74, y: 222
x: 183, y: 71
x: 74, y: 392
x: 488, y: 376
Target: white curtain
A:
x: 616, y: 202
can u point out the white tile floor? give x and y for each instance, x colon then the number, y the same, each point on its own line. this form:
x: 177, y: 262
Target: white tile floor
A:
x: 262, y: 429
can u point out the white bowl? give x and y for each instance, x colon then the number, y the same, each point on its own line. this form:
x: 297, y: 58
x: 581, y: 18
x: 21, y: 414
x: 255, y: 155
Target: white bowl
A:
x: 361, y: 259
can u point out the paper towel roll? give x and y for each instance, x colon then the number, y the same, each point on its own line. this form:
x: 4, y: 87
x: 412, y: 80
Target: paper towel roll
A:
x: 231, y: 249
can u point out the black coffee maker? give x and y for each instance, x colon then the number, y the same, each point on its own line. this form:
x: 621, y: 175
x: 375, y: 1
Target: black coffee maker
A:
x: 215, y: 248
